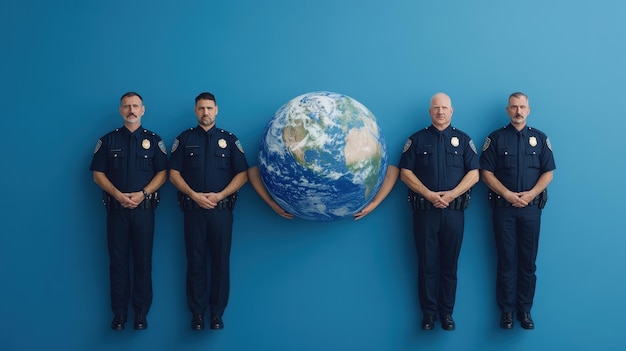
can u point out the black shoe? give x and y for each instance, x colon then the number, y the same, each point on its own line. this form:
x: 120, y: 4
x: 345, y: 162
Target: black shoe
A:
x: 506, y: 320
x: 119, y: 322
x: 447, y: 323
x: 140, y: 321
x: 197, y: 322
x: 526, y: 320
x: 216, y: 322
x: 428, y: 322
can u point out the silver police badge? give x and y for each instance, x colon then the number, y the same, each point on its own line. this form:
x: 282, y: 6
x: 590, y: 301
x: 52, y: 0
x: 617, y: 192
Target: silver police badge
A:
x: 145, y: 144
x: 407, y: 145
x: 222, y: 143
x: 532, y: 141
x: 454, y: 141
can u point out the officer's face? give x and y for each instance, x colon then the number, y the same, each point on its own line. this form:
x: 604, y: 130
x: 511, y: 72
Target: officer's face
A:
x: 206, y: 110
x: 441, y: 111
x: 132, y: 109
x: 518, y: 110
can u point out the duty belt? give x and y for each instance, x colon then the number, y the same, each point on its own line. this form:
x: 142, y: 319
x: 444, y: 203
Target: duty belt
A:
x: 418, y: 202
x: 149, y: 203
x: 187, y: 204
x: 496, y: 200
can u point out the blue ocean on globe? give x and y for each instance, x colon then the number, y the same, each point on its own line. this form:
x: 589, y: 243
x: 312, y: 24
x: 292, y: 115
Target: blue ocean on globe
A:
x: 323, y: 156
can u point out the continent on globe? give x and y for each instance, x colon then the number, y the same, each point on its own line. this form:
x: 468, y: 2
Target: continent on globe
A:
x: 323, y: 156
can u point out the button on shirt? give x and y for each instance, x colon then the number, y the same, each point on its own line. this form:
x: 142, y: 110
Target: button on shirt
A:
x: 517, y: 158
x: 207, y: 160
x: 129, y: 160
x: 439, y: 159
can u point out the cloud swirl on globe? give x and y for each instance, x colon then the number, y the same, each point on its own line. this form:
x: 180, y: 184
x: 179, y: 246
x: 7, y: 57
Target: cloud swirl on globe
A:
x: 323, y: 156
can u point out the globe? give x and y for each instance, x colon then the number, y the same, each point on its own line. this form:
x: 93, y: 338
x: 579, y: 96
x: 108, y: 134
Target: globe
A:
x: 323, y: 156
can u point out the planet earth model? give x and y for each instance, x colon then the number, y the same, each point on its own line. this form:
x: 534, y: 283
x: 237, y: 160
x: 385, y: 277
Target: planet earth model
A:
x: 323, y: 156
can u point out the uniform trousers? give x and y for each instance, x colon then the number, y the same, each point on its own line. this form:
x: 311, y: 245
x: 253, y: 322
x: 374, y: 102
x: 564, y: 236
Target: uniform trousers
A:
x: 438, y: 236
x: 517, y: 240
x: 208, y: 237
x: 130, y: 233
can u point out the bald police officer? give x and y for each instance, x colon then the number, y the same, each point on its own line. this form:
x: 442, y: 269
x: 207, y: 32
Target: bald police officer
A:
x: 517, y: 164
x: 130, y: 165
x: 208, y: 167
x: 439, y: 164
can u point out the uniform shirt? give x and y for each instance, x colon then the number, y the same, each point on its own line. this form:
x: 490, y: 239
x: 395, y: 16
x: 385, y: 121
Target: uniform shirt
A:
x: 439, y: 159
x: 130, y: 160
x: 209, y: 160
x: 517, y: 158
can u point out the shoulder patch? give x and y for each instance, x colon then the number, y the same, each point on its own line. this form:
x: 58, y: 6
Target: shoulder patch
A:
x: 486, y: 144
x: 548, y: 143
x: 471, y: 144
x: 175, y: 145
x: 98, y: 145
x: 238, y: 143
x: 407, y: 145
x: 162, y: 147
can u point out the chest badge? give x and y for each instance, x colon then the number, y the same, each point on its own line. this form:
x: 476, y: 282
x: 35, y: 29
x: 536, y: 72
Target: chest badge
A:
x: 532, y: 141
x: 145, y: 144
x: 222, y: 143
x: 454, y: 141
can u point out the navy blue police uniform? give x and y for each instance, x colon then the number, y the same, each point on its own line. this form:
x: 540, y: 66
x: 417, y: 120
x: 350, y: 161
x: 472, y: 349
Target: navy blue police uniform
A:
x: 130, y: 161
x: 517, y: 159
x: 440, y: 160
x: 207, y: 161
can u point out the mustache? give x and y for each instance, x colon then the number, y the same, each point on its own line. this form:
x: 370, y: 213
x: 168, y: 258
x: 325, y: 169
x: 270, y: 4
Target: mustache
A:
x: 131, y: 114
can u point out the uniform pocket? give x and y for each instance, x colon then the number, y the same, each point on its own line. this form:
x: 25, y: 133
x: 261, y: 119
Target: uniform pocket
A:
x: 454, y: 157
x: 223, y: 158
x: 116, y: 159
x: 424, y: 155
x: 144, y: 159
x: 506, y: 159
x: 532, y: 159
x: 193, y: 156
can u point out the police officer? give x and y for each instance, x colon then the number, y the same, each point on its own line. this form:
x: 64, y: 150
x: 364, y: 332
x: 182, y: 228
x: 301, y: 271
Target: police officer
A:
x: 130, y: 165
x: 517, y: 164
x: 208, y: 167
x: 439, y: 164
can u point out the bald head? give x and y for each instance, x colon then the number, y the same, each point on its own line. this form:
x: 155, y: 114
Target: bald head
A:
x: 441, y: 98
x: 441, y: 110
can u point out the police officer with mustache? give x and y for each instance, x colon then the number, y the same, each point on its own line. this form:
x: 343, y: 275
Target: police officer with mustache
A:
x: 130, y: 165
x: 517, y: 165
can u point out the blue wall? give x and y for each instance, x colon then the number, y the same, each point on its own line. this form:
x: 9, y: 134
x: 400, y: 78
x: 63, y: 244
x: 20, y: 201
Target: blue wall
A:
x: 299, y: 285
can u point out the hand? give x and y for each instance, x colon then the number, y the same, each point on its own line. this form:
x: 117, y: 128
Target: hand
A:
x: 365, y: 211
x: 281, y: 211
x: 131, y: 200
x: 440, y: 199
x: 518, y: 200
x: 205, y: 200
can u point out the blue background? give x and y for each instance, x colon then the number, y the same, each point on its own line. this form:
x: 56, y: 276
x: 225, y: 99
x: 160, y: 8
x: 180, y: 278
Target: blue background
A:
x: 299, y: 285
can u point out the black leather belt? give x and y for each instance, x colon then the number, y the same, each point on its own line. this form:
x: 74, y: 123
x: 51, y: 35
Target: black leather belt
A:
x: 149, y: 203
x: 498, y: 201
x: 187, y: 204
x: 418, y: 202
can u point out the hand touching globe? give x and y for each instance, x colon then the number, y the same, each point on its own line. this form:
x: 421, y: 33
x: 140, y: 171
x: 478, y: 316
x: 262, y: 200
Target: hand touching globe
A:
x: 323, y: 156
